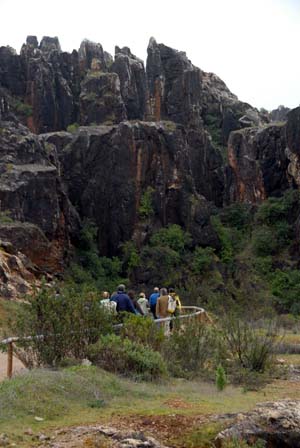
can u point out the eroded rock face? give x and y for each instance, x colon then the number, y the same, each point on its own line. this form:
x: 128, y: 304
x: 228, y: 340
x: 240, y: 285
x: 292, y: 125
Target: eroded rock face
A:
x: 107, y: 169
x: 132, y: 75
x: 16, y: 276
x: 31, y: 192
x: 174, y: 86
x: 257, y: 164
x: 100, y: 99
x: 206, y: 165
x: 277, y: 423
x: 176, y: 146
x: 51, y: 88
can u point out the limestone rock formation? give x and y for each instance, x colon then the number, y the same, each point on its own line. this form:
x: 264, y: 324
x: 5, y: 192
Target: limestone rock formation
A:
x: 106, y: 170
x: 132, y: 75
x: 279, y: 114
x: 31, y: 192
x: 180, y: 121
x: 257, y: 164
x: 276, y: 423
x: 100, y: 99
x: 16, y: 274
x: 174, y: 86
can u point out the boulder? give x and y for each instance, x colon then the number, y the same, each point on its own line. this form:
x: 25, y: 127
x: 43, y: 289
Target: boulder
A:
x: 276, y: 423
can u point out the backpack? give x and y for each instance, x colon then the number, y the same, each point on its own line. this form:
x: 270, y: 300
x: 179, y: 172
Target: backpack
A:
x: 171, y: 305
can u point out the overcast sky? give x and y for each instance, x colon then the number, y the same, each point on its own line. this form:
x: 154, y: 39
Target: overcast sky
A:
x: 253, y: 45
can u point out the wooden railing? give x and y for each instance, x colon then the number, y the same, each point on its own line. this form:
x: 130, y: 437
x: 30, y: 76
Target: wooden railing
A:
x: 192, y: 312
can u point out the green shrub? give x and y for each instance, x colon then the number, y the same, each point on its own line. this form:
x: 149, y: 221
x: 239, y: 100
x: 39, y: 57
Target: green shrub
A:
x: 143, y: 330
x: 67, y: 321
x: 5, y: 217
x: 73, y: 128
x: 250, y: 349
x: 263, y: 265
x: 126, y: 357
x: 285, y: 286
x: 237, y: 215
x: 221, y: 379
x: 264, y: 242
x: 87, y: 267
x: 161, y: 264
x: 227, y: 252
x: 202, y: 259
x: 190, y: 349
x: 283, y: 234
x: 146, y: 204
x: 23, y: 108
x: 173, y: 237
x: 274, y: 210
x: 131, y: 257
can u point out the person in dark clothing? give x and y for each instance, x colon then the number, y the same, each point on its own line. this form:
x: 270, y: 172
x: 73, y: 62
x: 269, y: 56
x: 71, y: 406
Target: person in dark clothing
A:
x: 135, y: 303
x: 153, y: 300
x: 123, y: 302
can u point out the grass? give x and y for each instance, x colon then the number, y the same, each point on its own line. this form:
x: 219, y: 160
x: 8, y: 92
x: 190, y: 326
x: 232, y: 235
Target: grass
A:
x: 83, y: 395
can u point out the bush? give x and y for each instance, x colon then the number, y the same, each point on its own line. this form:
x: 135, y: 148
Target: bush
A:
x: 237, y: 215
x: 263, y: 265
x: 202, y: 259
x: 161, y: 264
x: 264, y: 242
x: 226, y: 253
x: 190, y: 349
x: 68, y: 322
x: 221, y: 380
x: 23, y: 108
x: 143, y: 330
x: 173, y: 237
x: 131, y: 257
x: 250, y: 349
x: 72, y: 128
x: 99, y: 273
x: 285, y: 286
x: 146, y: 204
x: 128, y: 358
x: 274, y: 210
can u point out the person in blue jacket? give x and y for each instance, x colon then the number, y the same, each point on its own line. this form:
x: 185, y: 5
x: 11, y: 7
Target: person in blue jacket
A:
x: 124, y: 304
x: 153, y: 300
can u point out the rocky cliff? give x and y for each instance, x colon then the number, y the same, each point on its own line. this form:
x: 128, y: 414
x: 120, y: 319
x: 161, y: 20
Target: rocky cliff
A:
x: 86, y: 135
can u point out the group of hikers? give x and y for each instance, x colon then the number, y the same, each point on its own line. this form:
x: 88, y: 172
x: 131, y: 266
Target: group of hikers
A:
x: 162, y: 302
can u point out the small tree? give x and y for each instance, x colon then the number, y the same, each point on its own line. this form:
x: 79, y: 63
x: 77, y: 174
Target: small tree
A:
x: 61, y: 325
x: 221, y: 380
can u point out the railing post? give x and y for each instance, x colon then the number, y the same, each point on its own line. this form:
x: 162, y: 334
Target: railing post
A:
x: 9, y: 359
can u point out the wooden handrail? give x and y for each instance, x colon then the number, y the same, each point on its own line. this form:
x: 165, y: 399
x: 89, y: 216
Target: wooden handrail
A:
x: 195, y: 311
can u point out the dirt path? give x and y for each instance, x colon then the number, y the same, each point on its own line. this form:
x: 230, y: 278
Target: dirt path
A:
x: 17, y: 366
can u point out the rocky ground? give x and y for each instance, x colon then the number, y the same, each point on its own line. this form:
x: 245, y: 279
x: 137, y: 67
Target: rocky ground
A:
x: 98, y: 436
